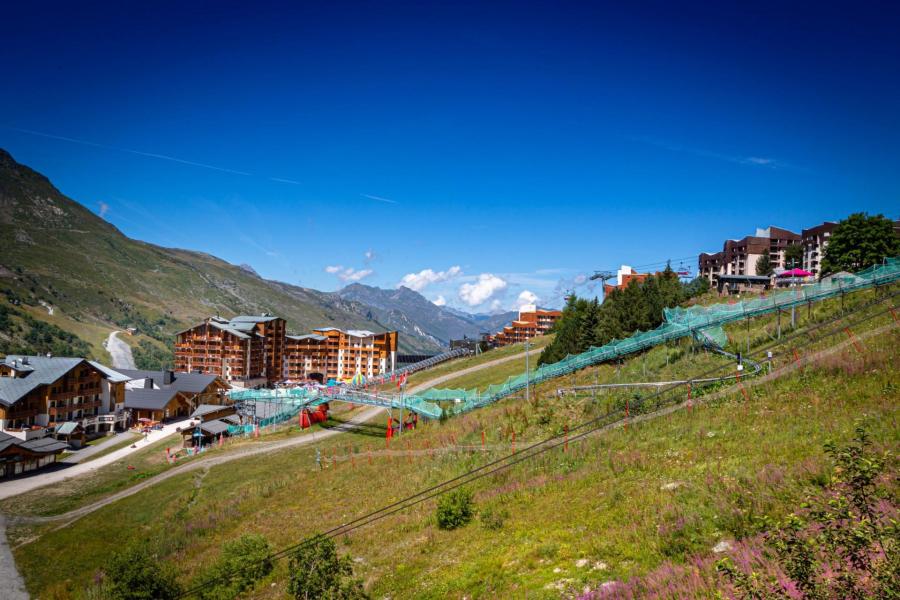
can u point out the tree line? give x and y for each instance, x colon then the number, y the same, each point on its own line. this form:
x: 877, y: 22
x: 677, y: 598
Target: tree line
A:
x: 636, y: 307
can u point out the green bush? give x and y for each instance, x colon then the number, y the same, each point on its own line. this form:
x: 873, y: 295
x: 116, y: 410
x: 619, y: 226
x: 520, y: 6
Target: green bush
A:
x: 135, y: 574
x: 317, y: 571
x: 455, y: 509
x: 242, y: 563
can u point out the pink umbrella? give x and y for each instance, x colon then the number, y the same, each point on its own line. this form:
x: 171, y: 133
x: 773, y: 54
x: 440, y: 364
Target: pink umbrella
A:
x: 796, y: 273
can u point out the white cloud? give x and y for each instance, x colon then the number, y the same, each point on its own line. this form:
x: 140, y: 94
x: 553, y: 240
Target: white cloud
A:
x: 348, y: 274
x: 579, y: 279
x: 369, y: 255
x: 496, y: 305
x: 526, y: 297
x: 104, y: 208
x: 354, y: 275
x: 440, y: 301
x: 419, y: 281
x: 482, y: 290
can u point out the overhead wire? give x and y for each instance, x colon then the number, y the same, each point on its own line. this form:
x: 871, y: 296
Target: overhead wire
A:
x: 539, y: 447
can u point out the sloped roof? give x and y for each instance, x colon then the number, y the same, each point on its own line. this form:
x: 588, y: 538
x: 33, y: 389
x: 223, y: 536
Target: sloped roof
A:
x: 149, y: 399
x: 41, y: 446
x: 190, y: 383
x: 114, y: 376
x: 230, y: 330
x: 65, y: 428
x: 214, y: 427
x: 45, y: 370
x: 307, y: 336
x: 253, y: 319
x: 205, y: 409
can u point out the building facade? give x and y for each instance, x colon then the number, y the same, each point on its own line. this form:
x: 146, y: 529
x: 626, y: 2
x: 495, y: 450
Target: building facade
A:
x: 739, y: 257
x: 39, y: 393
x: 532, y: 322
x: 246, y: 349
x: 815, y: 240
x: 332, y: 353
x: 306, y: 357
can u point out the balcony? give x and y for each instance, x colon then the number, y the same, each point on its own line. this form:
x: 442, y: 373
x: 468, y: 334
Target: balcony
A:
x: 27, y: 433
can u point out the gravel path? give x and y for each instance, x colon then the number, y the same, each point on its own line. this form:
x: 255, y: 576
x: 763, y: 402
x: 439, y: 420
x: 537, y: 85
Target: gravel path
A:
x: 119, y: 351
x: 78, y: 456
x: 13, y: 588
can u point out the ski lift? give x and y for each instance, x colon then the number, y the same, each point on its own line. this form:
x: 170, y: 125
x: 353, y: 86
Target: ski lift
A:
x: 683, y: 270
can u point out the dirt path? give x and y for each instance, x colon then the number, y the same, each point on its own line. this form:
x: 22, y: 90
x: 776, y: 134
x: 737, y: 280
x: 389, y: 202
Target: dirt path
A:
x: 13, y: 586
x: 119, y: 352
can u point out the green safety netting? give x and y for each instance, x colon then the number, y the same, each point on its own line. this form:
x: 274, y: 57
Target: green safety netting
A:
x: 704, y: 323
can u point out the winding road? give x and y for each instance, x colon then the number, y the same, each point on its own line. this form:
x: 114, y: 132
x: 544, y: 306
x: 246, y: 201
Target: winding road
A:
x: 119, y: 351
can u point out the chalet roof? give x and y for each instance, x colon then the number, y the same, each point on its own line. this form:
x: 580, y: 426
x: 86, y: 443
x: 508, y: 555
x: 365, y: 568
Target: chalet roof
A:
x: 190, y: 383
x: 65, y: 428
x: 254, y: 319
x: 354, y: 332
x: 308, y: 336
x: 144, y: 399
x: 44, y: 370
x: 230, y: 329
x: 223, y: 325
x: 40, y: 446
x: 214, y: 427
x: 206, y: 409
x: 113, y: 376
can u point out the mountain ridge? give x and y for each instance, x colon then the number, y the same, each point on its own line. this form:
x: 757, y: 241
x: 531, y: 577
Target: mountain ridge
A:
x: 58, y: 252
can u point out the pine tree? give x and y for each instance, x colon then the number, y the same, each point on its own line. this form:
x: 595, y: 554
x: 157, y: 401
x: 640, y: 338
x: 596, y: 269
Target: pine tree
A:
x: 587, y: 337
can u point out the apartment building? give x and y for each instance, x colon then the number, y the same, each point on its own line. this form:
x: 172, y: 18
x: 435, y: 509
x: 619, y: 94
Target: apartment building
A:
x: 245, y: 349
x: 532, y: 322
x: 739, y: 257
x: 815, y: 240
x: 357, y: 351
x: 306, y: 357
x: 40, y: 393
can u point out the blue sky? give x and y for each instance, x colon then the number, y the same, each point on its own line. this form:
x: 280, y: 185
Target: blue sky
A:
x: 481, y: 152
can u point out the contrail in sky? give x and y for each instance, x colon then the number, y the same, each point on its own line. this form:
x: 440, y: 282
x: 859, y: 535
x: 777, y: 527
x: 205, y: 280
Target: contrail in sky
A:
x: 379, y: 198
x: 130, y: 151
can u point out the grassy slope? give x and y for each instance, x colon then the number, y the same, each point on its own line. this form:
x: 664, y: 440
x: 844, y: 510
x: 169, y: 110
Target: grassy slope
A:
x: 602, y: 501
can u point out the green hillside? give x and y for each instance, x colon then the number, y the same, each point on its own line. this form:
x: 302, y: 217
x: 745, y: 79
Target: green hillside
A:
x: 618, y: 505
x: 58, y: 253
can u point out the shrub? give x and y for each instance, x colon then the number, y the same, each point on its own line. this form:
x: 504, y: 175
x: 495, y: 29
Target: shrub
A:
x: 316, y: 571
x: 842, y: 543
x: 455, y: 509
x: 242, y: 563
x: 135, y: 574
